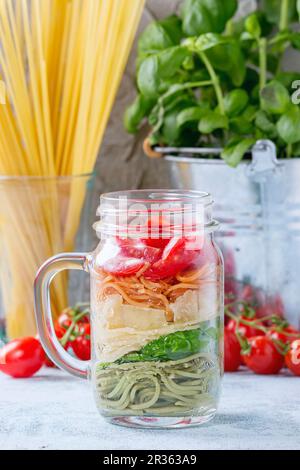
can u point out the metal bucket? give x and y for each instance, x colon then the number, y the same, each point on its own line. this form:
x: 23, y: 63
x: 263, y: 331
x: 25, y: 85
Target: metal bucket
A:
x: 258, y: 205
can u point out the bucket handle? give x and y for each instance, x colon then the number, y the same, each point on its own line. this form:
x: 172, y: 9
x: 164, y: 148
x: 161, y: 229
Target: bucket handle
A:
x: 264, y: 160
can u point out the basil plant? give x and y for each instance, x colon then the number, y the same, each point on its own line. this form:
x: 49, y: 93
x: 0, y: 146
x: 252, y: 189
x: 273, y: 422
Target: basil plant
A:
x: 205, y: 78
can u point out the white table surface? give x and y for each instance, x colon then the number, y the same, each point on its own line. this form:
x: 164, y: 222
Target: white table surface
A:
x: 56, y: 411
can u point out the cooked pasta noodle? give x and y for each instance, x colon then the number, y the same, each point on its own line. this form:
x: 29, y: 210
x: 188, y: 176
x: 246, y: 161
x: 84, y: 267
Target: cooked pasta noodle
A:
x: 138, y: 291
x: 175, y: 388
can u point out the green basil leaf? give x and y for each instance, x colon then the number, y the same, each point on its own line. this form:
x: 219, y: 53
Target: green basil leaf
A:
x: 156, y: 70
x: 204, y: 16
x: 171, y: 131
x: 229, y: 58
x: 288, y: 125
x: 250, y: 113
x: 241, y: 125
x: 136, y: 112
x: 275, y: 98
x: 213, y: 121
x: 264, y: 123
x: 235, y: 151
x: 208, y: 41
x: 160, y: 35
x: 235, y: 102
x: 174, y: 346
x: 252, y: 26
x: 192, y: 114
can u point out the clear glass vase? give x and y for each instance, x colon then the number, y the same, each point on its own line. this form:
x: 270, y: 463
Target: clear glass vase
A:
x: 38, y: 217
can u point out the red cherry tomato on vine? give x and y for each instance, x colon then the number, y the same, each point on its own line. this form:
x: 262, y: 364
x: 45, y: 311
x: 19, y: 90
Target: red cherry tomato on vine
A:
x: 292, y: 358
x: 22, y: 358
x: 263, y: 357
x: 60, y: 332
x: 64, y: 321
x: 245, y: 330
x: 232, y: 351
x: 82, y: 344
x: 285, y: 335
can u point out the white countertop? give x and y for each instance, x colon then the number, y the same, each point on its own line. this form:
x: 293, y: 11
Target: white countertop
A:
x: 56, y: 411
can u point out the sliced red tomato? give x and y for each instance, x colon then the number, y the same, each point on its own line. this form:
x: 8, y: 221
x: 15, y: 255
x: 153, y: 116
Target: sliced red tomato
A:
x: 263, y: 357
x: 156, y: 236
x: 127, y: 256
x: 175, y: 259
x: 131, y: 248
x: 122, y: 266
x: 292, y: 358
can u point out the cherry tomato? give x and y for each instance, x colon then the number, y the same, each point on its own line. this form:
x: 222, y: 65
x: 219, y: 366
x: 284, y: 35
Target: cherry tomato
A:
x: 245, y: 330
x: 273, y: 306
x: 49, y: 363
x: 285, y: 335
x: 248, y: 294
x: 232, y: 351
x: 82, y: 344
x: 263, y: 357
x: 22, y: 358
x: 60, y: 332
x: 292, y: 358
x: 64, y: 321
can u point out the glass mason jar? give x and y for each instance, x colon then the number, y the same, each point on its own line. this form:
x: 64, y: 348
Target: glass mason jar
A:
x: 156, y: 309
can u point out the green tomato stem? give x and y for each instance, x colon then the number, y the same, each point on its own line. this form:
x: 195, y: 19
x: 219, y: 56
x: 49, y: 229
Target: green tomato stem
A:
x: 284, y: 15
x: 69, y: 331
x: 215, y: 81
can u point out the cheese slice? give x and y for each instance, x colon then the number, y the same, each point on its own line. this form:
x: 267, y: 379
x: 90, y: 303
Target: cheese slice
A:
x: 138, y: 318
x: 121, y: 328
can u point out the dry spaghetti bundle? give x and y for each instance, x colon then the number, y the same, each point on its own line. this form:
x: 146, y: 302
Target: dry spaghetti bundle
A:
x: 61, y: 62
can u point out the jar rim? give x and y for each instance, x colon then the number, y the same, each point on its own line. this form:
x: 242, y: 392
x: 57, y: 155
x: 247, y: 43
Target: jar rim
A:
x: 162, y: 212
x: 150, y: 196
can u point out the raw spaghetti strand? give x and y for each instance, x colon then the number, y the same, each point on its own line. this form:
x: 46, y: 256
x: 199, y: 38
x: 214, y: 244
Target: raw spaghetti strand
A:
x: 61, y: 62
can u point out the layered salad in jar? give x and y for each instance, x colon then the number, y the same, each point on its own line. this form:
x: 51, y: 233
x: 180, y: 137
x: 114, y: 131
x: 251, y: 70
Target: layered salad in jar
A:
x: 157, y: 313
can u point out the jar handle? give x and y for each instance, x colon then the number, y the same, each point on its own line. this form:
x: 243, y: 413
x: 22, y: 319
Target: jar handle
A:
x: 53, y: 348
